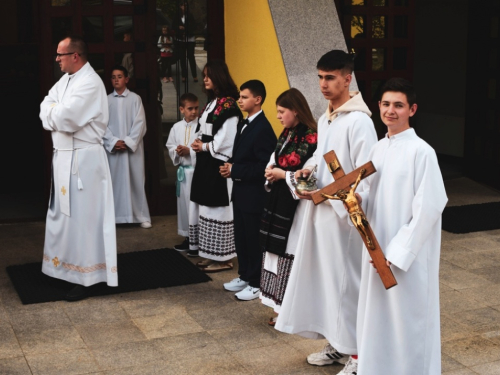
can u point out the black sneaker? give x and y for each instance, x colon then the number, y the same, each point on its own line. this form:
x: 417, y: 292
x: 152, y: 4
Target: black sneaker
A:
x: 183, y: 246
x: 192, y: 253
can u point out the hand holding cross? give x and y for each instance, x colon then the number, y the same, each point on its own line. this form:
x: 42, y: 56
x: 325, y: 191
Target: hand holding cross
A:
x: 338, y: 190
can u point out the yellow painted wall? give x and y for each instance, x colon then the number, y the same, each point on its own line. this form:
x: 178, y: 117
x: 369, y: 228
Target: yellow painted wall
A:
x: 252, y: 50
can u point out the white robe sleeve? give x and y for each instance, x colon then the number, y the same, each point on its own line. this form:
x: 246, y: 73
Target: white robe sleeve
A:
x: 427, y: 206
x: 267, y: 185
x: 110, y: 140
x: 77, y: 112
x: 138, y: 129
x: 222, y: 145
x: 172, y: 146
x: 48, y: 102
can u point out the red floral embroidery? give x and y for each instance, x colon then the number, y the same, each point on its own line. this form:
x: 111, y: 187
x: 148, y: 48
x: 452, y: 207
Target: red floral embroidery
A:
x: 283, y: 161
x: 312, y: 138
x: 300, y: 147
x: 293, y: 159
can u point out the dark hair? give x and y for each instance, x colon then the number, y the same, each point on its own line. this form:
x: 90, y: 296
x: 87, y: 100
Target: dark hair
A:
x: 187, y: 97
x: 78, y: 45
x: 224, y: 85
x: 400, y: 85
x: 336, y: 60
x: 256, y: 87
x: 120, y: 67
x: 295, y: 101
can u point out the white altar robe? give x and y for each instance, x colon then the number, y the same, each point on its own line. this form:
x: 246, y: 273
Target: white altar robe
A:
x: 80, y: 237
x: 183, y: 133
x: 399, y: 328
x: 127, y: 122
x: 322, y: 293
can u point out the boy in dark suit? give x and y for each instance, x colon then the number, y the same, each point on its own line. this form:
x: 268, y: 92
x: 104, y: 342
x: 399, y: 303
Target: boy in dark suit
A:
x: 254, y: 143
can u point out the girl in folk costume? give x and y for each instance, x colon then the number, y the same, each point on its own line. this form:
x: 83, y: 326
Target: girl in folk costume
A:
x: 165, y: 44
x: 283, y: 213
x: 211, y: 232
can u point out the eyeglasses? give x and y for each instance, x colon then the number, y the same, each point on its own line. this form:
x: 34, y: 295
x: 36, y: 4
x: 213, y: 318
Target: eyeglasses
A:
x: 65, y: 54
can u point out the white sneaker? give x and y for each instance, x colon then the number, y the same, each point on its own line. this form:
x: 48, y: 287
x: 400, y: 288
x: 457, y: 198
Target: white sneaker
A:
x: 235, y: 285
x: 327, y: 356
x: 351, y: 367
x: 248, y: 294
x: 146, y: 225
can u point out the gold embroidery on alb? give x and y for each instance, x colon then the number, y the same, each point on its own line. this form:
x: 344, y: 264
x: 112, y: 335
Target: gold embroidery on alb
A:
x: 56, y: 262
x: 63, y: 190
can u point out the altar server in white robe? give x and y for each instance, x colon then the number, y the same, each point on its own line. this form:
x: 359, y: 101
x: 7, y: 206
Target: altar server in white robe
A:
x: 399, y: 328
x: 80, y: 237
x: 322, y: 293
x: 125, y: 147
x: 182, y: 135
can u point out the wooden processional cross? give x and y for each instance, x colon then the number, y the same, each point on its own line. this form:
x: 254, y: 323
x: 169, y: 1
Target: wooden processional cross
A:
x: 342, y: 189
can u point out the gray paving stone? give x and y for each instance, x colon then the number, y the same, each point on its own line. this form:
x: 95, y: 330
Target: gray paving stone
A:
x: 241, y: 338
x: 449, y: 364
x: 226, y: 316
x: 130, y: 354
x: 95, y: 311
x: 50, y: 340
x: 9, y: 346
x: 14, y: 366
x: 72, y: 362
x: 472, y: 351
x: 492, y: 368
x: 109, y: 334
x: 272, y: 359
x: 175, y: 322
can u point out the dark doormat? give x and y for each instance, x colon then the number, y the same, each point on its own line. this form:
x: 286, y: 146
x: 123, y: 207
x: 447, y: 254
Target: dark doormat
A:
x: 472, y: 218
x: 140, y: 270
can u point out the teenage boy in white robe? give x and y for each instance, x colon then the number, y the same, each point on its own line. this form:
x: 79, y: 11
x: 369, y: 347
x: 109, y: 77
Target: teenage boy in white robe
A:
x: 124, y: 144
x: 399, y: 329
x: 180, y: 138
x: 322, y: 293
x: 80, y: 235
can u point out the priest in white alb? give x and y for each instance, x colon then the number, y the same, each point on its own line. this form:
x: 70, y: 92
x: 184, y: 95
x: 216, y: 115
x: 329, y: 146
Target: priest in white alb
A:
x: 399, y: 329
x: 80, y: 237
x: 125, y: 147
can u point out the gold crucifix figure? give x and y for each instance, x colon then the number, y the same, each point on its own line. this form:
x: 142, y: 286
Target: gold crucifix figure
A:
x: 63, y: 190
x: 344, y: 188
x: 356, y: 215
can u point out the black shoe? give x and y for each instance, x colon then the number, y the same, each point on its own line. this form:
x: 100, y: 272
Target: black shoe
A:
x: 192, y: 253
x: 183, y: 246
x: 78, y: 293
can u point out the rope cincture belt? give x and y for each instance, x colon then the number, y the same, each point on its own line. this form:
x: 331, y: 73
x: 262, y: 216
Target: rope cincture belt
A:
x: 180, y: 177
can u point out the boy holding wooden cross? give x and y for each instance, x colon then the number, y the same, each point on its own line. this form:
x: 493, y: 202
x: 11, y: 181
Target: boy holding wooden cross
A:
x: 398, y: 330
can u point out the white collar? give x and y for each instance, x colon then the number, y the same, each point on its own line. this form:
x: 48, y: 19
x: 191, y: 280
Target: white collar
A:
x: 250, y: 119
x: 124, y: 93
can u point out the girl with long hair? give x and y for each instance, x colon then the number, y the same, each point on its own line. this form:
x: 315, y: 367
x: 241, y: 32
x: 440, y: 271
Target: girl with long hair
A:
x: 211, y: 225
x: 284, y: 210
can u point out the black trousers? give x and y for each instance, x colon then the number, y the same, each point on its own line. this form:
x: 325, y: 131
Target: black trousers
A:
x: 166, y: 66
x: 186, y: 51
x: 248, y: 250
